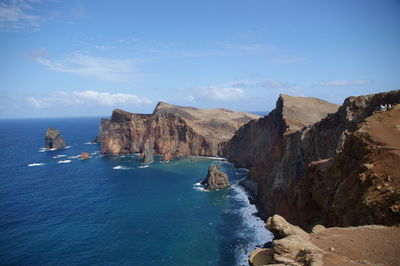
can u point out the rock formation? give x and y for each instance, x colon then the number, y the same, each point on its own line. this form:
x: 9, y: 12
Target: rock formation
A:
x: 340, y: 171
x: 85, y: 155
x: 167, y: 156
x: 53, y: 139
x: 215, y: 179
x: 148, y: 153
x: 176, y: 130
x: 328, y: 246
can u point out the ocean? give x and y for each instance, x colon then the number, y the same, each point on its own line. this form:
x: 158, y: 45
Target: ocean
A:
x: 112, y: 210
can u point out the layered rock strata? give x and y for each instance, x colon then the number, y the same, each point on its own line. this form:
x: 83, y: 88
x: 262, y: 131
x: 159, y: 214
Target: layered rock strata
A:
x: 340, y: 171
x: 171, y: 130
x: 53, y: 139
x: 215, y: 179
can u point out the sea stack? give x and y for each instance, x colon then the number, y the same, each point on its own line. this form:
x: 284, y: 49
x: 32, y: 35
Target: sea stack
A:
x: 53, y: 139
x: 85, y: 155
x: 215, y: 179
x: 148, y: 152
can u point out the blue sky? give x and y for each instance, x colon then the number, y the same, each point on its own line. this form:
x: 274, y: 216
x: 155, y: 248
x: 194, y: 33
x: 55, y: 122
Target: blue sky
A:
x: 85, y: 58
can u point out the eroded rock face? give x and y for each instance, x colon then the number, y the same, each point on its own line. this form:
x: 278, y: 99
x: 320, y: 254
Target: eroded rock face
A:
x: 337, y: 171
x: 53, y: 139
x: 215, y: 179
x: 175, y: 130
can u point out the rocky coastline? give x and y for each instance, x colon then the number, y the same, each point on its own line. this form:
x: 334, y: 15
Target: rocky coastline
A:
x: 311, y: 163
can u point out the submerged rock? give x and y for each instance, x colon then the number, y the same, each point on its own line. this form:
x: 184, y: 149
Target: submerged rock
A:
x: 53, y: 139
x: 215, y: 179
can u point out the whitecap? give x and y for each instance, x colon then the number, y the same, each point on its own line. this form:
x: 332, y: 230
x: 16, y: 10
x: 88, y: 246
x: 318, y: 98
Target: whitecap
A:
x: 35, y: 164
x: 144, y: 166
x: 94, y: 153
x: 59, y: 156
x: 120, y: 167
x: 88, y: 143
x: 64, y: 161
x: 52, y: 149
x: 200, y: 188
x: 164, y: 161
x: 74, y: 156
x: 67, y: 147
x: 42, y: 150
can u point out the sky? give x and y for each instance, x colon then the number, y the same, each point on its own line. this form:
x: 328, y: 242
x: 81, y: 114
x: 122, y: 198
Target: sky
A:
x: 85, y: 58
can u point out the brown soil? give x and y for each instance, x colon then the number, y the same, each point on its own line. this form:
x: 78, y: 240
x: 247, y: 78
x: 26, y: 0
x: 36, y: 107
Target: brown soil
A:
x: 384, y: 127
x: 367, y: 245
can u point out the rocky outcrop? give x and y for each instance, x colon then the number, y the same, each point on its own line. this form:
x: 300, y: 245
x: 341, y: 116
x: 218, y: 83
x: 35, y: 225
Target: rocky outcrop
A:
x: 53, y: 139
x: 85, y: 155
x: 167, y: 156
x: 340, y: 171
x: 148, y: 154
x: 176, y: 130
x: 328, y: 246
x: 215, y: 179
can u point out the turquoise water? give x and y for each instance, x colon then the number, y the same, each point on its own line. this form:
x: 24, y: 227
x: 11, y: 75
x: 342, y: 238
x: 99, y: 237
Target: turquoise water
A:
x: 112, y: 210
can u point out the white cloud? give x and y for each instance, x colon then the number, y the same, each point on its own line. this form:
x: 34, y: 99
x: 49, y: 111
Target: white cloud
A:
x: 16, y: 15
x: 87, y: 98
x: 105, y: 69
x: 269, y: 84
x: 344, y: 83
x: 214, y: 93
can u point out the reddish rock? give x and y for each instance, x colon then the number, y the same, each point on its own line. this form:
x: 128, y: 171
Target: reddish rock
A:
x: 85, y: 155
x: 167, y: 156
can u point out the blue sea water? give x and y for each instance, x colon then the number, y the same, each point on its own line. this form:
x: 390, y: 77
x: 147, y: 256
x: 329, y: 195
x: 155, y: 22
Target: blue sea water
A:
x: 112, y: 210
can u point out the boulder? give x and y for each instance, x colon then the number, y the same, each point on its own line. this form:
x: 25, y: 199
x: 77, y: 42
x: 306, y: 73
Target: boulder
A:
x: 85, y: 155
x: 215, y: 179
x: 53, y: 139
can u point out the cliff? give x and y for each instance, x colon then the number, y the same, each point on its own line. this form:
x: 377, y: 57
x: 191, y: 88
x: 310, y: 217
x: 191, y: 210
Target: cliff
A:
x: 170, y: 130
x: 340, y: 171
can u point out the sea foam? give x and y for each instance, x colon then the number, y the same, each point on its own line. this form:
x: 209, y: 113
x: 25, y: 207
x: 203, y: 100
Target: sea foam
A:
x: 35, y: 164
x: 64, y: 161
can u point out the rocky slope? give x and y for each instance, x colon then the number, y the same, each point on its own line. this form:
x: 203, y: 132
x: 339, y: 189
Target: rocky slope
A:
x: 332, y: 246
x: 171, y: 130
x: 340, y: 171
x: 53, y: 139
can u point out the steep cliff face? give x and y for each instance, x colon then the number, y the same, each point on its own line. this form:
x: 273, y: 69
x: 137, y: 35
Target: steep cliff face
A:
x: 263, y: 140
x: 170, y: 130
x: 322, y: 173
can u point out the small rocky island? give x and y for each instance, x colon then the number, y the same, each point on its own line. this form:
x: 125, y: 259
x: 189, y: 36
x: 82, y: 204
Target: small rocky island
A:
x: 215, y: 179
x: 53, y: 139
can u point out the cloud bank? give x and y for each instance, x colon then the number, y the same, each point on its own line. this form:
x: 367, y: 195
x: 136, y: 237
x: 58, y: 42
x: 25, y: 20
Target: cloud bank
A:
x: 100, y: 68
x: 214, y: 94
x: 87, y: 98
x: 345, y: 83
x: 17, y: 15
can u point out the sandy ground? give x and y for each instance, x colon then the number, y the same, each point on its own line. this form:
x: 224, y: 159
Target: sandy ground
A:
x: 368, y: 245
x: 384, y: 126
